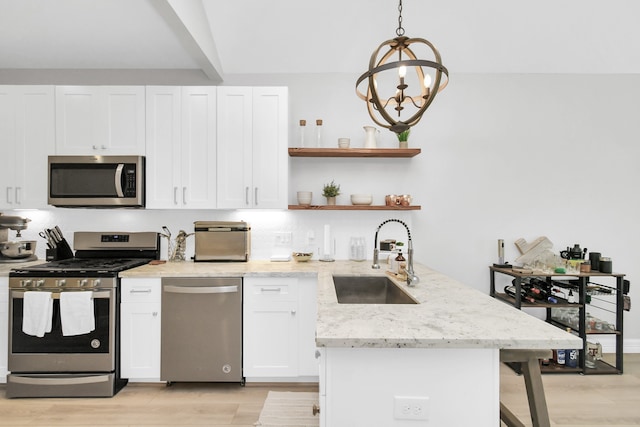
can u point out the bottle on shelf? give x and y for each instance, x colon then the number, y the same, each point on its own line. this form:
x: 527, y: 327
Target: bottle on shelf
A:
x: 302, y: 130
x: 318, y: 135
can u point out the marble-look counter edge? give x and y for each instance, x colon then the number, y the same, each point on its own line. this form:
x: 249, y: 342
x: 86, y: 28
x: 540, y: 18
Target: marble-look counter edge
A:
x: 450, y: 314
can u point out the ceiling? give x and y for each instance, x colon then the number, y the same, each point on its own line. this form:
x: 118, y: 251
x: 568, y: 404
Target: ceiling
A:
x: 294, y: 36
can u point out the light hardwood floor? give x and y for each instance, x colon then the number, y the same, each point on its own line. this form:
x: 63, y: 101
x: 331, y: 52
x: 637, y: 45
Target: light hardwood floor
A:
x: 573, y: 400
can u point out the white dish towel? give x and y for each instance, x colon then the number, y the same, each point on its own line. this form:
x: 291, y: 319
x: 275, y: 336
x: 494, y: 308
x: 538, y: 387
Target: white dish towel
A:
x: 37, y: 311
x: 76, y: 313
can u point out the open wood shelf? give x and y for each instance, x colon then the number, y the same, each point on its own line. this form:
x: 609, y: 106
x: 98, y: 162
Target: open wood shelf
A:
x: 354, y: 208
x: 353, y: 152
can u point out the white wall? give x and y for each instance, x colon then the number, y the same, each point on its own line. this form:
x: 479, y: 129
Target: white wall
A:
x: 503, y: 156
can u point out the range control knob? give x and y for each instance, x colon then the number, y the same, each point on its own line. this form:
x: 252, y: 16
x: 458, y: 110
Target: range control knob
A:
x: 25, y: 283
x: 61, y: 282
x: 40, y: 282
x: 82, y: 282
x: 96, y: 283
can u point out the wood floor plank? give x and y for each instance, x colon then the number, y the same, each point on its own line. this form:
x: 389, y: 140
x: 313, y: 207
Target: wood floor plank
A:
x: 573, y: 401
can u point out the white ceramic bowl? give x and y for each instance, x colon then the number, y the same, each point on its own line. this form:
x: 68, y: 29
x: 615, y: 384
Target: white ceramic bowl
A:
x: 361, y: 199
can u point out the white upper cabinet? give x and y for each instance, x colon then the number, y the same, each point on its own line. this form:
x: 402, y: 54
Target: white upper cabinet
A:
x: 252, y: 147
x: 26, y: 139
x: 100, y: 120
x: 181, y: 147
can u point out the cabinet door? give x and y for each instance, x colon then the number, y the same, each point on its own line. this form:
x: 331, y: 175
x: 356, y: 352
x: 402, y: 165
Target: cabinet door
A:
x: 198, y: 148
x: 252, y: 147
x: 163, y: 153
x: 103, y: 120
x: 270, y: 340
x: 270, y: 327
x: 4, y: 327
x: 35, y: 141
x: 7, y: 146
x: 270, y: 141
x: 27, y: 129
x: 140, y: 340
x: 235, y: 136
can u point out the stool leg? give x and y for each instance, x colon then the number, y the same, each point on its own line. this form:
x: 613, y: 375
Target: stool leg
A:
x: 535, y: 393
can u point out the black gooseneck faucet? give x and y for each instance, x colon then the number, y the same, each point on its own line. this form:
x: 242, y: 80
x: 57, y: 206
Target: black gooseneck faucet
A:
x: 412, y: 279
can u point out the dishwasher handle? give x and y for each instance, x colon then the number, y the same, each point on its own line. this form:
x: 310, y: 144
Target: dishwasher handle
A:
x: 200, y: 289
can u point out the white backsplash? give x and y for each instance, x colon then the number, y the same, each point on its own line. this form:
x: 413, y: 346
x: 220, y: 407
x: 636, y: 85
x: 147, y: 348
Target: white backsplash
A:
x: 305, y: 228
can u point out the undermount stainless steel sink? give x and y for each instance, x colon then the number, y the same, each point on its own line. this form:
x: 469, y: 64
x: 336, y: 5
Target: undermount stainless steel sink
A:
x: 369, y: 290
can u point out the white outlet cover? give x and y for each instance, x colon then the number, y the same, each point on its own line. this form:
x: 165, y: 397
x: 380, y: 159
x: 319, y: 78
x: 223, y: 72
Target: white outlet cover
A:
x: 411, y: 407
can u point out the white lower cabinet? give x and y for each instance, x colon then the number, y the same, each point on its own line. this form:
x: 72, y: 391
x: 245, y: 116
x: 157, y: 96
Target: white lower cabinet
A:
x: 279, y: 328
x: 140, y: 329
x: 4, y: 327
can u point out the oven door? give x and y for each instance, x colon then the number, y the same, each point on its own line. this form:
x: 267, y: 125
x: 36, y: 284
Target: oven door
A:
x: 92, y: 352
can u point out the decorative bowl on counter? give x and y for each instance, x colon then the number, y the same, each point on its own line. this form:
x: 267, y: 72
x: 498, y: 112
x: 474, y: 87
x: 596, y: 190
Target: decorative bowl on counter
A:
x: 361, y: 199
x: 302, y: 256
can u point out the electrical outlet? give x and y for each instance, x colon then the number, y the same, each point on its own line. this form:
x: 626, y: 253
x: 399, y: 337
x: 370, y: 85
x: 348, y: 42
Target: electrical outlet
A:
x: 283, y: 238
x: 411, y: 407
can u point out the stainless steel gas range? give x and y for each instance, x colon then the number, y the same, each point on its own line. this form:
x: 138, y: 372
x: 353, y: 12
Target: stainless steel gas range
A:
x: 64, y: 318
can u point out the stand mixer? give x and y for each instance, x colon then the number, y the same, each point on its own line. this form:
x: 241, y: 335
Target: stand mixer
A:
x: 19, y: 250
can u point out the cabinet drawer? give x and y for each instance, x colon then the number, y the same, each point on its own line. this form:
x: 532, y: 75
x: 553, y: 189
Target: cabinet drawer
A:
x: 140, y: 290
x: 270, y: 289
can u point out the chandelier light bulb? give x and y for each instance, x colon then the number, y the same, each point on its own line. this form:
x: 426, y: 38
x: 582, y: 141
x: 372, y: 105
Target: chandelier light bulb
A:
x: 427, y: 80
x: 402, y: 71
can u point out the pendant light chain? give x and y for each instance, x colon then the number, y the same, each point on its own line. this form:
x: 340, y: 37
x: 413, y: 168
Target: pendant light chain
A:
x: 400, y: 30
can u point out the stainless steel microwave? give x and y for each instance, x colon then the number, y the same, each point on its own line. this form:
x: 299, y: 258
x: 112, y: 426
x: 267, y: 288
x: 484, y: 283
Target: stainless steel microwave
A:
x: 96, y: 181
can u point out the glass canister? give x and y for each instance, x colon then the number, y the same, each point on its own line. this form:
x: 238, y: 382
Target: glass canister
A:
x: 318, y: 135
x: 357, y: 249
x: 302, y: 133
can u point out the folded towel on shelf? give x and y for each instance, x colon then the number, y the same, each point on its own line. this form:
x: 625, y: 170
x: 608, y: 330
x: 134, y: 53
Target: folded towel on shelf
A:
x: 37, y: 311
x: 76, y: 313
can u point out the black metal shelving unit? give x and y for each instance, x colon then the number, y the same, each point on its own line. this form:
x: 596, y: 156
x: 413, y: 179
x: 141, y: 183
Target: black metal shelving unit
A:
x: 586, y: 290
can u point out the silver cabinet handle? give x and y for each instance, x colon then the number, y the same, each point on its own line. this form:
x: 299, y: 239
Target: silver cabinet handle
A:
x: 184, y: 195
x: 154, y: 314
x: 17, y: 194
x: 270, y: 290
x: 246, y: 196
x: 255, y: 197
x: 140, y: 291
x: 9, y: 191
x: 175, y: 195
x: 293, y: 312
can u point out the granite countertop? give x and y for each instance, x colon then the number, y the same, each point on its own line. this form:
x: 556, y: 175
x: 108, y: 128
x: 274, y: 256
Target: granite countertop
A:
x: 449, y: 314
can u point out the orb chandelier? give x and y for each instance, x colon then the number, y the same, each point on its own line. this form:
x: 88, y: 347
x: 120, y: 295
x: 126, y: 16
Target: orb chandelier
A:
x: 411, y: 83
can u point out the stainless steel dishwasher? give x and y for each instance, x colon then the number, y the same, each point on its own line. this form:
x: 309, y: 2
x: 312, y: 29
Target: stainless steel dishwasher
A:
x: 201, y: 337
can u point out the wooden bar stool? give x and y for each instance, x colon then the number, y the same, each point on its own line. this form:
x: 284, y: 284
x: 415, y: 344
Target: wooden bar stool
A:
x: 529, y: 362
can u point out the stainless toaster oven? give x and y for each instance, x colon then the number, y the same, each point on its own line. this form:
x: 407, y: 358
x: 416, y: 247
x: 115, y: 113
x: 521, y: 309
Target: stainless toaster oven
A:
x: 222, y: 241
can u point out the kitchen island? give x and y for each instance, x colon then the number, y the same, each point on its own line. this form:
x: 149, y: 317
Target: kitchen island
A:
x: 437, y: 360
x: 384, y: 364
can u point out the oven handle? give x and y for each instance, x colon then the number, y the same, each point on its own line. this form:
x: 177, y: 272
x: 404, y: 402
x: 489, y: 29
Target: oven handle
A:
x: 56, y: 295
x: 200, y: 289
x: 59, y: 381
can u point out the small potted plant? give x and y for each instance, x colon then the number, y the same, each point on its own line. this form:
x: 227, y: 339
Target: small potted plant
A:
x: 330, y: 191
x: 403, y: 138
